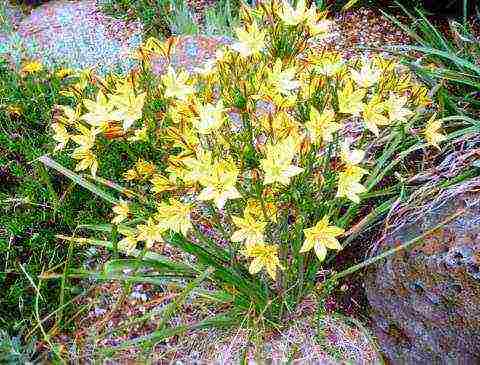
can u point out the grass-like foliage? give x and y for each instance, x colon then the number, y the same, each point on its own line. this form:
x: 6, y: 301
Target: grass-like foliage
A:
x: 448, y: 63
x: 35, y: 206
x: 163, y: 18
x: 263, y: 159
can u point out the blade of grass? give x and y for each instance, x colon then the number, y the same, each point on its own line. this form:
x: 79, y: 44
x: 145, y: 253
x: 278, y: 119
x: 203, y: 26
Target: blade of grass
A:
x: 78, y: 179
x: 160, y: 259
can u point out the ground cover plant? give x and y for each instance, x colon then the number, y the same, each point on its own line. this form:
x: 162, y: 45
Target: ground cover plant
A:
x: 37, y: 206
x: 266, y: 160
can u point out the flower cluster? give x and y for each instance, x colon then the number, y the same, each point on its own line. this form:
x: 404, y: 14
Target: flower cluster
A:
x: 271, y: 134
x: 110, y: 115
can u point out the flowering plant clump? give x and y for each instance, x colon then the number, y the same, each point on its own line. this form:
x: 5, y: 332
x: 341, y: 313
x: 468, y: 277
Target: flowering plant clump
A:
x: 266, y: 152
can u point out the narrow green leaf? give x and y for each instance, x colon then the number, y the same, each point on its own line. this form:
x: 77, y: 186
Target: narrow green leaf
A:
x: 153, y: 256
x: 78, y: 179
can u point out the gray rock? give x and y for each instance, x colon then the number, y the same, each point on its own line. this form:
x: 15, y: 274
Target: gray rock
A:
x: 75, y: 34
x: 425, y: 301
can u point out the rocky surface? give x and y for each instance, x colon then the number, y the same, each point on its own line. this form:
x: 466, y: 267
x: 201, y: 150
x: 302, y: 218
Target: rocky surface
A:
x: 190, y: 52
x: 72, y: 33
x: 426, y: 301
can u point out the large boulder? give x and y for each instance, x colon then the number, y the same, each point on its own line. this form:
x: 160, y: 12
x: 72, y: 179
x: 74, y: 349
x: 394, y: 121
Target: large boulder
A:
x: 425, y: 301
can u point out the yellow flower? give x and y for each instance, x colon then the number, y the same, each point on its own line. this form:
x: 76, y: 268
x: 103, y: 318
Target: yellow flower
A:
x: 320, y: 237
x: 61, y: 136
x: 210, y: 117
x: 251, y: 229
x: 220, y: 184
x: 14, y: 111
x: 264, y: 256
x: 284, y: 81
x: 87, y: 160
x: 139, y: 135
x: 176, y: 86
x: 99, y: 111
x: 87, y: 136
x: 349, y: 180
x: 420, y: 95
x: 278, y: 162
x: 161, y: 183
x: 327, y: 63
x: 373, y: 115
x: 63, y: 72
x: 150, y: 233
x: 281, y: 124
x: 129, y: 108
x: 128, y: 243
x: 433, y: 133
x: 175, y: 216
x: 199, y: 168
x: 350, y: 101
x: 251, y: 41
x: 32, y: 67
x: 254, y: 209
x: 322, y: 126
x: 367, y: 76
x: 130, y: 175
x: 395, y: 107
x: 144, y: 168
x: 121, y: 211
x: 349, y: 185
x: 292, y: 16
x: 70, y: 116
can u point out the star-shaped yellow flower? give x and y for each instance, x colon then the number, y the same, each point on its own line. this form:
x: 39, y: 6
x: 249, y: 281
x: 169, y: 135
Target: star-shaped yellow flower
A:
x: 349, y: 179
x: 150, y: 233
x: 277, y: 163
x: 129, y: 108
x: 32, y: 67
x: 349, y: 185
x: 251, y: 41
x: 433, y: 133
x: 350, y: 101
x: 250, y: 229
x: 99, y: 111
x: 121, y: 211
x: 61, y: 136
x: 320, y: 237
x: 210, y: 117
x: 367, y: 76
x: 264, y: 256
x: 374, y: 115
x: 321, y: 126
x: 395, y: 106
x: 220, y: 184
x: 176, y: 85
x: 282, y: 82
x: 291, y: 16
x: 87, y: 158
x: 175, y: 216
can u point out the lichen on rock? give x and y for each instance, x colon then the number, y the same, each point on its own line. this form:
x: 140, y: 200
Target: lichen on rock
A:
x: 425, y: 302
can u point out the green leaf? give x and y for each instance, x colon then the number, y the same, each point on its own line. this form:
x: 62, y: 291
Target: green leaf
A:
x: 152, y: 256
x: 78, y: 179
